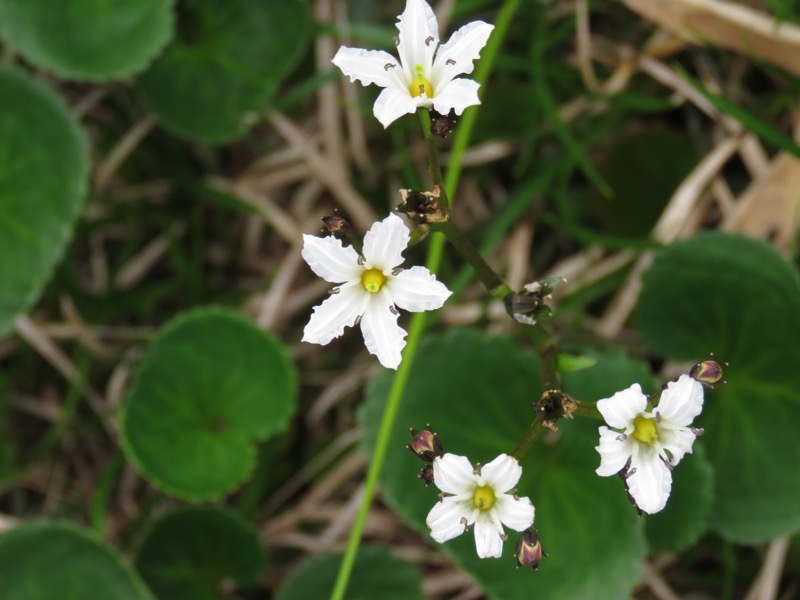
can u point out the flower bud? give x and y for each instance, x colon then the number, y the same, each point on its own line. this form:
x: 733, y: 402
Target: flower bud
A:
x: 425, y: 444
x: 707, y: 372
x: 442, y: 125
x: 529, y: 550
x: 335, y: 224
x: 422, y: 207
x: 426, y: 474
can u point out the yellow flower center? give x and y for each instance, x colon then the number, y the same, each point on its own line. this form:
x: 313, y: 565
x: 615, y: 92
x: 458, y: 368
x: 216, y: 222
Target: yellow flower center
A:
x: 483, y: 497
x: 373, y: 280
x: 420, y: 84
x: 645, y: 430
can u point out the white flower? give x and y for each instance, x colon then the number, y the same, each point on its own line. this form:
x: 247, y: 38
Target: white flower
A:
x: 653, y: 441
x: 370, y: 288
x: 425, y: 75
x: 478, y: 499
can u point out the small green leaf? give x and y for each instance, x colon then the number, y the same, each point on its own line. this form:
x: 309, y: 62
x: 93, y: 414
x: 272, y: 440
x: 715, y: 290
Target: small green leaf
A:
x: 216, y: 78
x: 376, y: 574
x: 210, y: 386
x: 477, y: 393
x: 48, y: 560
x: 568, y: 363
x: 738, y: 298
x: 91, y: 40
x: 191, y: 553
x: 43, y: 181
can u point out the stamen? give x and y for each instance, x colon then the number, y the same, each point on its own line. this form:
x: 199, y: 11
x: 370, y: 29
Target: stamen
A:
x: 360, y: 260
x: 397, y: 270
x: 393, y: 310
x: 449, y: 61
x: 388, y: 66
x: 622, y: 437
x: 428, y: 40
x: 697, y: 431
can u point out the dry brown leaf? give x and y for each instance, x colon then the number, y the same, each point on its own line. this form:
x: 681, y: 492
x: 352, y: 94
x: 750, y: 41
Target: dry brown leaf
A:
x: 770, y: 206
x: 727, y: 25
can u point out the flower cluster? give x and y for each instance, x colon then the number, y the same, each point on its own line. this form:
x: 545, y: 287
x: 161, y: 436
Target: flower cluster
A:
x: 643, y: 444
x: 425, y: 74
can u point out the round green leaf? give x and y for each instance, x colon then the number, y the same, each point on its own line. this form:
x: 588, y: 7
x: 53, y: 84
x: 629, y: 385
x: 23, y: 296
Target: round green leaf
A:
x: 191, y: 553
x: 210, y: 386
x: 92, y: 40
x: 738, y: 298
x: 216, y: 78
x: 56, y: 561
x: 376, y: 574
x: 43, y: 182
x: 477, y: 392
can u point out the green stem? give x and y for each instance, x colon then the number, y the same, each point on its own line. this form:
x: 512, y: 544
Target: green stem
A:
x: 546, y: 348
x: 460, y: 142
x: 378, y: 455
x: 534, y: 431
x: 493, y: 282
x: 587, y: 409
x: 434, y: 165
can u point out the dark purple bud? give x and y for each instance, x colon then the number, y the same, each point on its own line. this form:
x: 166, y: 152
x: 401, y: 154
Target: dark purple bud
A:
x: 425, y: 444
x: 442, y: 125
x: 529, y: 550
x: 707, y: 372
x: 336, y: 225
x: 426, y: 474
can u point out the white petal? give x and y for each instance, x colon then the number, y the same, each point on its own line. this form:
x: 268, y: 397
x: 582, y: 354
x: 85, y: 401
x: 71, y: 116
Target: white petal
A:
x: 651, y: 482
x: 392, y: 103
x: 445, y: 520
x: 330, y: 259
x: 457, y: 95
x: 453, y: 474
x: 516, y: 514
x: 382, y: 335
x: 488, y: 542
x: 370, y: 66
x: 502, y: 473
x: 337, y: 312
x: 457, y: 55
x: 384, y: 244
x: 620, y: 410
x: 681, y: 401
x: 417, y: 289
x: 614, y: 454
x: 417, y: 25
x: 678, y: 441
